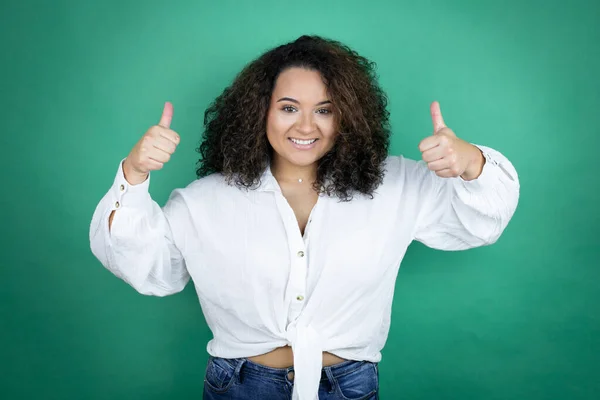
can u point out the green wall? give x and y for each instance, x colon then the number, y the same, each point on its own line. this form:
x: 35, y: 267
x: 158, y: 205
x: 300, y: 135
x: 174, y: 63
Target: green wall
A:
x: 82, y: 81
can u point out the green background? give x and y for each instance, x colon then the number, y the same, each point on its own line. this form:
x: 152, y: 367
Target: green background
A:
x: 83, y: 80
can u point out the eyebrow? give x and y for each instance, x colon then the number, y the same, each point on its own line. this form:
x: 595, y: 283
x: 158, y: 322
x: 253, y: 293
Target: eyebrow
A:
x: 297, y: 102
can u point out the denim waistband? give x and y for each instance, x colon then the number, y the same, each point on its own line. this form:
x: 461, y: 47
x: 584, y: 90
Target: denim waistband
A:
x: 337, y: 370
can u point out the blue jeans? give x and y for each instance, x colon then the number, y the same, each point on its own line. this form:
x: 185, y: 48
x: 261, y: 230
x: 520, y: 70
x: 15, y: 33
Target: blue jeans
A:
x: 242, y: 379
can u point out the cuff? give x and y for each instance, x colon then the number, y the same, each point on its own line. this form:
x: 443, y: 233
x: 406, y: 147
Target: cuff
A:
x: 496, y: 167
x: 128, y: 195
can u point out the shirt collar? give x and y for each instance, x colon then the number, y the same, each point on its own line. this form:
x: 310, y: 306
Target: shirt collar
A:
x: 268, y: 183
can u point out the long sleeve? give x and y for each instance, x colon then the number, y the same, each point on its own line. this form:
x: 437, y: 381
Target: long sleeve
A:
x: 140, y: 247
x: 456, y: 214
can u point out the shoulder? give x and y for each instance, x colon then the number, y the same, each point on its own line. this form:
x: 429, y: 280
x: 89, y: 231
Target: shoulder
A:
x: 212, y: 181
x: 208, y: 189
x: 406, y: 176
x: 400, y: 168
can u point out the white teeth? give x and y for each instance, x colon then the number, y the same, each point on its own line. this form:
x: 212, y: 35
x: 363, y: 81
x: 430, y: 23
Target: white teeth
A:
x: 303, y: 141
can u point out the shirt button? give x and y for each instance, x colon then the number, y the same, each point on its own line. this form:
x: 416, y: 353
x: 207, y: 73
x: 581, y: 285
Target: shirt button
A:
x: 117, y: 205
x: 300, y: 298
x: 122, y: 187
x: 300, y: 254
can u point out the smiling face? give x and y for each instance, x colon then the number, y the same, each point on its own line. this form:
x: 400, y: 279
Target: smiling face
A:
x: 301, y: 124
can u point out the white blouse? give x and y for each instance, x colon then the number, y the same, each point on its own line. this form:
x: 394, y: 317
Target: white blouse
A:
x: 262, y: 284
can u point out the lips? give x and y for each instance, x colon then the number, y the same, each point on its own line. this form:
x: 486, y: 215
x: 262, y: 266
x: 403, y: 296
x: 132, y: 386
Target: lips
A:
x: 302, y: 144
x: 303, y: 141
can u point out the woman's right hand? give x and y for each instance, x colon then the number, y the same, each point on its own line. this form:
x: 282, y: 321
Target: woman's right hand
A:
x: 153, y: 150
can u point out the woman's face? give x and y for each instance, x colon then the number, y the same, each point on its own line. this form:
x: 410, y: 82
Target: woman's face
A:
x: 301, y: 125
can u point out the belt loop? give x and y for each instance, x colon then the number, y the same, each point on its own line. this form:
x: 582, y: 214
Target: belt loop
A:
x: 237, y: 374
x: 331, y: 379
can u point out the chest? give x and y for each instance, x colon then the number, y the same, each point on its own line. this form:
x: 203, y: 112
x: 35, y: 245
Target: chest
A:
x: 302, y: 201
x: 259, y: 242
x: 264, y: 233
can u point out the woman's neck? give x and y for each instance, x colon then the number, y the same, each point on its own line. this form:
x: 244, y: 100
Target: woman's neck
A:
x: 286, y: 172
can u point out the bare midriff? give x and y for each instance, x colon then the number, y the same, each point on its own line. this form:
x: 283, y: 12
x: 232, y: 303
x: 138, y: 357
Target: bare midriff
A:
x: 283, y: 357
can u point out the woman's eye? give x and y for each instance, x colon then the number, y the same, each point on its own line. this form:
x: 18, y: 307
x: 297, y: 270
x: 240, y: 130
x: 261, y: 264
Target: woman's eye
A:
x: 291, y: 109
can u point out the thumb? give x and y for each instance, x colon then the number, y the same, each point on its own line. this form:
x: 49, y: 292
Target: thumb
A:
x: 436, y: 117
x: 167, y: 116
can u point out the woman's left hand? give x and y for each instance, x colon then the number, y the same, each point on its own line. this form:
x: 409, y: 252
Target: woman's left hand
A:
x: 446, y: 154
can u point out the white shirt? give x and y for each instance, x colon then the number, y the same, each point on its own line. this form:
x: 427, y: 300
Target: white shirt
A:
x: 263, y: 285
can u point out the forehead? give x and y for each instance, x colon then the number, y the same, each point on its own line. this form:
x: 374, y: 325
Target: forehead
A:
x: 300, y: 83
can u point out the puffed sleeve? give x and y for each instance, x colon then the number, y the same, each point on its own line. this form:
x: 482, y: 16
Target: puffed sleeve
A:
x: 139, y: 248
x: 456, y: 214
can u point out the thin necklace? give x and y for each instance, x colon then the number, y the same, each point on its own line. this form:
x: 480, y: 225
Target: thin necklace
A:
x: 299, y: 180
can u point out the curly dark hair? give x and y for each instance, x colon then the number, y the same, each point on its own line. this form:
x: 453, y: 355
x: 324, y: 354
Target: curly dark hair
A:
x: 235, y: 143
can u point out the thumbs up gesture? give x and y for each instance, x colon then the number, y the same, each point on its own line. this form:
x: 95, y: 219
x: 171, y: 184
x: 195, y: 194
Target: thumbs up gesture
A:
x: 153, y: 150
x: 446, y: 154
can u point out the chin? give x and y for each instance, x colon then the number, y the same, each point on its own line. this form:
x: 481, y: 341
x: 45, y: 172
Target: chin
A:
x: 303, y: 160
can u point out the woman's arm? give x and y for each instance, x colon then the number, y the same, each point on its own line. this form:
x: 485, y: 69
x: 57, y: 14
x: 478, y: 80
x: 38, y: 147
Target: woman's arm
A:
x: 133, y: 237
x: 469, y: 193
x: 457, y: 214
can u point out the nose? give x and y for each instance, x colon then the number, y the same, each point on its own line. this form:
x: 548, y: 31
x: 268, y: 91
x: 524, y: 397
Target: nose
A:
x: 306, y: 123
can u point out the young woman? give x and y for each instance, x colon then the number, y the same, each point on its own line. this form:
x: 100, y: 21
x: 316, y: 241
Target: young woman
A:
x: 294, y: 231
